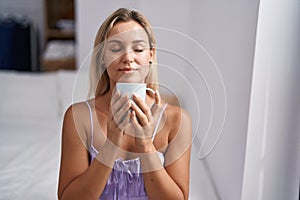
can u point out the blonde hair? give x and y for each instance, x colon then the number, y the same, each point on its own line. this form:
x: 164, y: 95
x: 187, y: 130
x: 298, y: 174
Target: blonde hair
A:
x: 99, y: 78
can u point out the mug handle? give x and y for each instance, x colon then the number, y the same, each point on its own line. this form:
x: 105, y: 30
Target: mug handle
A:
x: 151, y: 90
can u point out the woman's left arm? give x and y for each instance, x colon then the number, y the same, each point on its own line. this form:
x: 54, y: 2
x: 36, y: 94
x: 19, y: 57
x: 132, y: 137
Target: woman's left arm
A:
x: 172, y: 180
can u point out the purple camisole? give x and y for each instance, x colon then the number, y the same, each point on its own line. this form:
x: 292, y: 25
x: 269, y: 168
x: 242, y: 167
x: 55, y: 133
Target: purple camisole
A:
x: 126, y: 180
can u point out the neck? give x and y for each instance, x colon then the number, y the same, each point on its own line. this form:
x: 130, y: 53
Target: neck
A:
x: 103, y: 101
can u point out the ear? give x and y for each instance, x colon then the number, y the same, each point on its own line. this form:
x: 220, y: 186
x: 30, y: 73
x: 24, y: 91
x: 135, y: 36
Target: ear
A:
x: 152, y: 53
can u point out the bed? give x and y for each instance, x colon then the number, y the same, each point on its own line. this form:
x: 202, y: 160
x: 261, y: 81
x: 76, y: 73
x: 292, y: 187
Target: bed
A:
x: 31, y: 112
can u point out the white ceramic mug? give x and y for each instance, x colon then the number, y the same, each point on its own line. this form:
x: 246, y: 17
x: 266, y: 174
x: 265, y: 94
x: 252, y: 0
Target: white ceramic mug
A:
x: 137, y: 88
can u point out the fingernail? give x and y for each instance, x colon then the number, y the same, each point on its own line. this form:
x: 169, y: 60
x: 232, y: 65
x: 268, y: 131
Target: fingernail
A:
x: 126, y: 96
x: 132, y: 102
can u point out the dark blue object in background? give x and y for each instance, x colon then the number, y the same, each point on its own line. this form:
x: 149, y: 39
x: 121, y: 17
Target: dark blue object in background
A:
x: 15, y: 52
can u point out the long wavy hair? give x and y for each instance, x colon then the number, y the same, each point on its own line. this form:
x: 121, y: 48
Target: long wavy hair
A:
x: 99, y: 78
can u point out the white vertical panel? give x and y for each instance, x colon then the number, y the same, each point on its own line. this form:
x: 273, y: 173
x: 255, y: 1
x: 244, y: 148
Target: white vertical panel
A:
x: 272, y: 153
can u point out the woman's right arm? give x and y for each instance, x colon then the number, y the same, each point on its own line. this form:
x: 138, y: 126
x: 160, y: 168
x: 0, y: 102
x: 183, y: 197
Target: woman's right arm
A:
x: 78, y: 179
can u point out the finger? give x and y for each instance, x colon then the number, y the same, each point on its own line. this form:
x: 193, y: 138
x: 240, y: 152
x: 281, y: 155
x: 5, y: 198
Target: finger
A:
x: 155, y: 108
x: 136, y: 124
x: 124, y: 121
x: 142, y: 118
x: 143, y: 106
x: 134, y: 119
x: 115, y: 97
x: 120, y: 114
x: 120, y: 103
x: 157, y: 97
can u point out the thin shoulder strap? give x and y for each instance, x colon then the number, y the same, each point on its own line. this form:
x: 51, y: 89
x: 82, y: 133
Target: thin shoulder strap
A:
x: 158, y: 121
x: 91, y: 122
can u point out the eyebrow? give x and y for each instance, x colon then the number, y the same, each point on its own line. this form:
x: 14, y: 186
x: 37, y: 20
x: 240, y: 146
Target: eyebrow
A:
x: 139, y: 41
x: 116, y: 41
x: 135, y: 41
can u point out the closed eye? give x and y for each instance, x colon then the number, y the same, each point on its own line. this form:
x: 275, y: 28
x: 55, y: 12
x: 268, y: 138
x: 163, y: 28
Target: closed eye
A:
x: 115, y: 50
x: 139, y: 50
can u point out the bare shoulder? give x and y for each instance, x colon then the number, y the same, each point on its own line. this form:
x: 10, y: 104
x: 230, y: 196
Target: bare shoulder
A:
x: 78, y: 113
x: 75, y: 109
x: 178, y: 118
x: 177, y: 114
x: 76, y: 121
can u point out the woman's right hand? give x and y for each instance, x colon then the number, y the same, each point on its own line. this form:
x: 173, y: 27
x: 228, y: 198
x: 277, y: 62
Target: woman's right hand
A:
x: 119, y: 118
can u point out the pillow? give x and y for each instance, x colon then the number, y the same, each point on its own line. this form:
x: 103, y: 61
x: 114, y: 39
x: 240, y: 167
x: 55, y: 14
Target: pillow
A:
x: 25, y: 94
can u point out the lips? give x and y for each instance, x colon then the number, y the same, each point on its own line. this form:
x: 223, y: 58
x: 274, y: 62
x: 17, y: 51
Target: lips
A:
x: 127, y: 69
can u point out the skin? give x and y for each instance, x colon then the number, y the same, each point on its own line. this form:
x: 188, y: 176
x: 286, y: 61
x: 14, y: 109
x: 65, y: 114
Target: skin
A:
x: 127, y: 57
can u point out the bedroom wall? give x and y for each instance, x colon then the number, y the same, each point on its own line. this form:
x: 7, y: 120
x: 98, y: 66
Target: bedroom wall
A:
x: 227, y: 31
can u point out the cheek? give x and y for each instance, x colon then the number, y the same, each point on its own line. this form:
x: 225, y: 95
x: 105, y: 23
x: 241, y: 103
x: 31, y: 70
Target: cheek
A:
x: 111, y: 71
x: 145, y: 56
x: 145, y: 71
x: 111, y: 59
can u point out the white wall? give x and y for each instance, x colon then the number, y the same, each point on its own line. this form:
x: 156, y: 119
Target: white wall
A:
x: 227, y: 31
x: 272, y: 165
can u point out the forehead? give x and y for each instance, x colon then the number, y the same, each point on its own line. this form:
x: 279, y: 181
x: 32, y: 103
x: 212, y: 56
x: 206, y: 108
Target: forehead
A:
x: 127, y: 31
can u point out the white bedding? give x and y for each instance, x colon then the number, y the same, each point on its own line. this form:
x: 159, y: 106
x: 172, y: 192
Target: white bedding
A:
x: 31, y: 112
x: 29, y: 158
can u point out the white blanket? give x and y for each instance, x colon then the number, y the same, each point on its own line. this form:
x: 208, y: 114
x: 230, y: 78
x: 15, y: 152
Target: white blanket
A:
x: 31, y: 114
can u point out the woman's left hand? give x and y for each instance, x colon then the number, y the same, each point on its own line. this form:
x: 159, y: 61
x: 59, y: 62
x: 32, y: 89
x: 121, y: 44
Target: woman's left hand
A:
x: 144, y: 120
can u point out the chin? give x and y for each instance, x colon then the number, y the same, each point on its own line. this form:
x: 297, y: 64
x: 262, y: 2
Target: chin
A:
x: 130, y: 80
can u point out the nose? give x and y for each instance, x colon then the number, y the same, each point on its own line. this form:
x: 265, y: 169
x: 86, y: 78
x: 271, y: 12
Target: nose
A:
x: 128, y: 57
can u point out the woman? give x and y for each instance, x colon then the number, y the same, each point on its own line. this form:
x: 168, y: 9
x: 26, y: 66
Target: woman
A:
x: 116, y: 147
